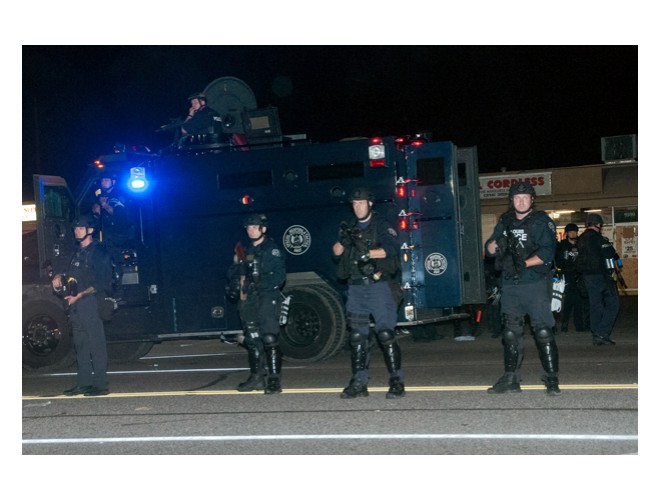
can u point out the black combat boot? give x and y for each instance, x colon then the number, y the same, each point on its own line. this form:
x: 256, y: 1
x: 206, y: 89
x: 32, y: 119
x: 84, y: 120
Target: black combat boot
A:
x: 550, y: 361
x: 255, y: 381
x: 273, y: 386
x: 359, y: 360
x: 74, y: 391
x: 274, y: 362
x: 507, y: 383
x: 355, y: 389
x: 551, y: 384
x: 392, y: 356
x: 397, y: 389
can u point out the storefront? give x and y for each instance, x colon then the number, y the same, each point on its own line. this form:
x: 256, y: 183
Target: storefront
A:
x: 568, y: 195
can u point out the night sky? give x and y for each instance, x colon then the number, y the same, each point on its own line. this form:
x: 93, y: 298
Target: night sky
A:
x: 524, y: 107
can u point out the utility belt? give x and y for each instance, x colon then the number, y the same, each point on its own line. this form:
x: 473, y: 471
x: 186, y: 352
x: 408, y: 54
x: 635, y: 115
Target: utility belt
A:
x: 363, y: 280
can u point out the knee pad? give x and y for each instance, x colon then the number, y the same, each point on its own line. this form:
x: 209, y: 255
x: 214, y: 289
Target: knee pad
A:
x: 544, y: 335
x: 509, y: 338
x: 356, y: 338
x: 386, y: 337
x: 270, y: 340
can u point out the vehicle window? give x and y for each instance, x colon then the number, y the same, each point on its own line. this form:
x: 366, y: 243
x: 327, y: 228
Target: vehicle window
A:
x: 58, y: 204
x: 430, y: 171
x: 246, y: 180
x: 334, y: 171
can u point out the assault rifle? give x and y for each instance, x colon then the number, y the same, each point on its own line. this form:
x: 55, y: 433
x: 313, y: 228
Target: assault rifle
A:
x: 508, y: 259
x: 237, y: 274
x: 351, y: 239
x: 619, y: 275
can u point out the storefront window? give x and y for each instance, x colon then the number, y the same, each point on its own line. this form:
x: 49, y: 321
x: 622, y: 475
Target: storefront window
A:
x: 623, y: 215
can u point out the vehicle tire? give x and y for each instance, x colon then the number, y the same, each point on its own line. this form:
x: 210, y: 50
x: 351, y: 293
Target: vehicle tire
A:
x: 341, y: 332
x: 128, y: 351
x: 316, y: 324
x: 47, y: 340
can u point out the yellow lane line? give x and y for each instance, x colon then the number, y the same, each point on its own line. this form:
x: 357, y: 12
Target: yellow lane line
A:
x: 332, y: 390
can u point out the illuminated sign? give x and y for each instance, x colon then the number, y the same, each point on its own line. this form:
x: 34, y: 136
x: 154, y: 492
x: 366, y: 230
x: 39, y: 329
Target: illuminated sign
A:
x: 29, y: 213
x: 497, y: 186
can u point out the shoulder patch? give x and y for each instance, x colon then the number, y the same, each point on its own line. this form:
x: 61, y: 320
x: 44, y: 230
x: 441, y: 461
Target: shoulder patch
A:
x: 276, y: 252
x: 392, y: 232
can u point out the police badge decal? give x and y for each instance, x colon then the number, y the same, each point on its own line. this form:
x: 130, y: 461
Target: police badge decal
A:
x: 435, y: 264
x: 296, y: 240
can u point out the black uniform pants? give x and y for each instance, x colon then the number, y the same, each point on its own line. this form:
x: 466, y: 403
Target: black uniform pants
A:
x: 89, y: 341
x: 262, y: 310
x: 572, y: 304
x: 603, y: 304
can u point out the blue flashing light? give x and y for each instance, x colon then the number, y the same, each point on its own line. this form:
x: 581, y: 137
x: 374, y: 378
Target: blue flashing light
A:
x: 137, y: 182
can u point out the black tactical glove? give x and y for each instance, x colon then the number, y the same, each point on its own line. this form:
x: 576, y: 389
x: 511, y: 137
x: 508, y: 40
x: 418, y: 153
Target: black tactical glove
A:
x: 345, y: 235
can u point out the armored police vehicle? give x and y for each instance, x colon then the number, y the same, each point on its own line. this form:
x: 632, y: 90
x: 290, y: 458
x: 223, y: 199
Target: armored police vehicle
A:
x: 187, y: 206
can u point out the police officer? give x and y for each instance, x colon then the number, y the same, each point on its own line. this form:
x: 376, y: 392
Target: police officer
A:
x: 262, y: 276
x: 201, y: 117
x: 566, y: 262
x: 523, y: 243
x: 594, y: 253
x: 368, y: 251
x: 114, y: 217
x: 86, y: 285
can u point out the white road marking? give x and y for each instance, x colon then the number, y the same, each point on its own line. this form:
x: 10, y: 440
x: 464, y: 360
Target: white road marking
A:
x: 311, y: 437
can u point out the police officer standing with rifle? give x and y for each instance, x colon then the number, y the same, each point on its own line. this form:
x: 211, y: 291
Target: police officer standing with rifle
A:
x: 566, y: 262
x: 368, y: 251
x: 523, y: 243
x: 258, y: 275
x: 596, y: 261
x: 84, y: 288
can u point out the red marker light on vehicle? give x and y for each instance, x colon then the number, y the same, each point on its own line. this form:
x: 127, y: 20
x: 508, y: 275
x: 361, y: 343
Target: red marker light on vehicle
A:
x: 246, y: 200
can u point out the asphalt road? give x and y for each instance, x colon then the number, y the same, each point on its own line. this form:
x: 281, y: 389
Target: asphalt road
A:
x: 180, y: 399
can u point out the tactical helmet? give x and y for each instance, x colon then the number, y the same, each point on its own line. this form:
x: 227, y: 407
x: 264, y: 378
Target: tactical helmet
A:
x: 255, y: 220
x: 197, y: 95
x: 593, y: 218
x: 362, y: 194
x: 522, y: 188
x: 85, y: 220
x: 570, y: 227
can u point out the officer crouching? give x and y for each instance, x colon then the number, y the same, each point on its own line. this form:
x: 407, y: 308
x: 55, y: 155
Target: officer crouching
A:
x: 523, y: 243
x: 368, y: 259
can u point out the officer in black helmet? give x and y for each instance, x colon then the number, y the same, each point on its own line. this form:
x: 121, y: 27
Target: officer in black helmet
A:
x: 368, y: 251
x: 84, y: 287
x: 114, y: 218
x: 523, y: 243
x: 594, y: 253
x: 262, y: 274
x: 201, y: 117
x: 566, y: 263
